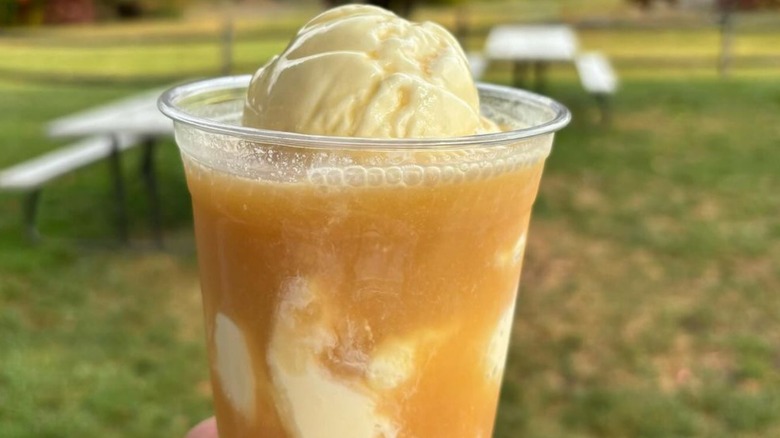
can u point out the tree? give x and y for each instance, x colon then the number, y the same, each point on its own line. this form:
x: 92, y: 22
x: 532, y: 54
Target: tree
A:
x: 647, y: 4
x: 403, y: 8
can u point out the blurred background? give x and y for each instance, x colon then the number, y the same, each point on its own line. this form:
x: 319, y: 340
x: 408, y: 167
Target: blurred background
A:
x: 649, y: 301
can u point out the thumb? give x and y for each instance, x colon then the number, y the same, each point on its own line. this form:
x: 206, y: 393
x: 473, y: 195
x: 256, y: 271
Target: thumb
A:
x: 205, y: 429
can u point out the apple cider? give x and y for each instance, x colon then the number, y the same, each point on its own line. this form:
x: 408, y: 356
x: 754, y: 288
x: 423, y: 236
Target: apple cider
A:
x: 359, y: 300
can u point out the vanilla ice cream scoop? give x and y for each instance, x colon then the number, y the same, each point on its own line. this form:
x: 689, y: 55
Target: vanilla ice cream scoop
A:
x: 361, y: 71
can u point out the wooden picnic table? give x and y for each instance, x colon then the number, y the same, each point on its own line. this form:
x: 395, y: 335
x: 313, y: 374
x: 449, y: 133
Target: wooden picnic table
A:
x: 534, y: 46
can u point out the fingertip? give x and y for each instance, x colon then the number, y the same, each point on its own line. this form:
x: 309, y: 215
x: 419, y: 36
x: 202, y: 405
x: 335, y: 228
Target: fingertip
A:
x: 205, y: 429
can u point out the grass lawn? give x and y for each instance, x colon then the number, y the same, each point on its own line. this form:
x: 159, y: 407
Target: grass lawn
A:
x: 648, y: 303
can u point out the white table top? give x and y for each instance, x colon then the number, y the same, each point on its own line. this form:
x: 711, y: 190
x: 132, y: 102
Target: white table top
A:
x: 532, y: 43
x: 133, y: 115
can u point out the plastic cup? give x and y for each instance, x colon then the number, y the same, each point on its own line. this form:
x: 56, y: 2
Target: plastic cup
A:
x: 358, y: 287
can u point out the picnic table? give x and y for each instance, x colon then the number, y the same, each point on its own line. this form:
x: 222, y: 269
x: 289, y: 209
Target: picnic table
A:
x: 138, y: 117
x: 537, y: 46
x: 534, y: 46
x: 103, y: 133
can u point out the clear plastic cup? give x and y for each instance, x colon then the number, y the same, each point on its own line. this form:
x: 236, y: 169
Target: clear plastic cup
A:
x: 358, y: 287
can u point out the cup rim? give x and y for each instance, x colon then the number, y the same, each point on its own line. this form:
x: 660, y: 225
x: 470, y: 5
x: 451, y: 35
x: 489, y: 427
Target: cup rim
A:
x: 168, y: 104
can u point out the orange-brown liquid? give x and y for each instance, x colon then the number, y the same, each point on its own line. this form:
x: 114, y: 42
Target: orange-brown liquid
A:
x: 436, y: 265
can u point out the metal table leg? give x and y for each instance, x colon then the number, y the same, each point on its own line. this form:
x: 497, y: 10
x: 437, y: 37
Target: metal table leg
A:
x: 540, y: 75
x: 30, y: 213
x: 149, y: 176
x: 519, y: 73
x: 120, y: 207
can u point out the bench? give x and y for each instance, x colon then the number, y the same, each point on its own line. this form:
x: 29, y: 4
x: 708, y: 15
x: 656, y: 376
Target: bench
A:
x: 30, y: 176
x: 598, y: 78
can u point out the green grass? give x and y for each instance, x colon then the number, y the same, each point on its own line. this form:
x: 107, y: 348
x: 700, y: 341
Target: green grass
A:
x: 648, y: 303
x: 158, y: 61
x: 87, y: 352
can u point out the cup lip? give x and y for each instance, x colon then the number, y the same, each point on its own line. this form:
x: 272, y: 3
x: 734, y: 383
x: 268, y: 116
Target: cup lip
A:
x: 168, y: 104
